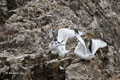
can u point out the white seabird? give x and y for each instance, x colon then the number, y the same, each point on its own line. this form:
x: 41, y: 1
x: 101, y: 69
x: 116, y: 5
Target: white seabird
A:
x: 58, y: 43
x: 88, y: 51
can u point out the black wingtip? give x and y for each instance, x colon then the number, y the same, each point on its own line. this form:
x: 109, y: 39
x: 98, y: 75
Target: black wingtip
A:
x: 90, y: 45
x: 76, y: 31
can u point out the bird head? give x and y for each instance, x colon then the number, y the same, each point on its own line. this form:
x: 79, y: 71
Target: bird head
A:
x: 57, y: 43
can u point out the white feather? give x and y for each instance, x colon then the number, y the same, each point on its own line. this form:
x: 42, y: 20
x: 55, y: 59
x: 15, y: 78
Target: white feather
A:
x: 63, y: 35
x: 83, y: 51
x: 96, y: 44
x: 53, y: 46
x: 61, y: 51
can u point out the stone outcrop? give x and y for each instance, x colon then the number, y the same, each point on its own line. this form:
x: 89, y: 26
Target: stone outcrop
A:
x: 24, y: 39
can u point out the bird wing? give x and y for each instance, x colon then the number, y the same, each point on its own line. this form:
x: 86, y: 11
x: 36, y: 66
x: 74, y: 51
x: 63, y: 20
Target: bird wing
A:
x: 80, y: 39
x: 96, y: 44
x: 89, y: 46
x: 80, y: 51
x: 64, y: 34
x: 81, y: 44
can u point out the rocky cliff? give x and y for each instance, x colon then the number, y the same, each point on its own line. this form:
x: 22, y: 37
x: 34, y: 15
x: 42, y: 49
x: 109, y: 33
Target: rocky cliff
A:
x: 24, y: 39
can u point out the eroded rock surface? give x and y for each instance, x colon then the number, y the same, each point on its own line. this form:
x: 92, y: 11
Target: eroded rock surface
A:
x: 24, y: 39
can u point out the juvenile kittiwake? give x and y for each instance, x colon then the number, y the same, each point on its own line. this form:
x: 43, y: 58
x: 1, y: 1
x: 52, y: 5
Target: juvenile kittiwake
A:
x: 88, y: 51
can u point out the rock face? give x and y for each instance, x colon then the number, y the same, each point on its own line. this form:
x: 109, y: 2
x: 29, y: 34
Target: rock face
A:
x: 24, y: 39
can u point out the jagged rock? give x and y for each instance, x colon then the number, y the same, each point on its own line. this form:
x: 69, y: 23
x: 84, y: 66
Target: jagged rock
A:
x: 3, y: 58
x: 49, y: 71
x: 65, y: 62
x: 24, y: 39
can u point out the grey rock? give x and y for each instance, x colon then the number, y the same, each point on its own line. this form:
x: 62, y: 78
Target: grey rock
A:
x: 24, y: 39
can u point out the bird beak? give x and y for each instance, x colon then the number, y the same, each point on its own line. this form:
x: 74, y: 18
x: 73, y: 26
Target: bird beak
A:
x: 61, y: 41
